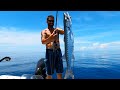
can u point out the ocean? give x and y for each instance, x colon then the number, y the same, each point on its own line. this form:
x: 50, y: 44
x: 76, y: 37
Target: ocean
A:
x: 86, y: 65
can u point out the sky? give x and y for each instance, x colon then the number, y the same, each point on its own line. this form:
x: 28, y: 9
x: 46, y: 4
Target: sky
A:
x: 94, y: 31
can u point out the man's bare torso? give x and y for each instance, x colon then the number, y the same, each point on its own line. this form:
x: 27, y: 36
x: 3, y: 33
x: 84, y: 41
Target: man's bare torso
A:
x: 51, y: 45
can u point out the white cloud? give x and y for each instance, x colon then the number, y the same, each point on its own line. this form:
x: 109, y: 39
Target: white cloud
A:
x: 83, y: 48
x: 13, y: 37
x: 96, y: 41
x: 19, y: 39
x: 101, y: 46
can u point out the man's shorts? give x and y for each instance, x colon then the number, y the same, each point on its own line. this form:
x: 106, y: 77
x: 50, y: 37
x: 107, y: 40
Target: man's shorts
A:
x: 54, y: 61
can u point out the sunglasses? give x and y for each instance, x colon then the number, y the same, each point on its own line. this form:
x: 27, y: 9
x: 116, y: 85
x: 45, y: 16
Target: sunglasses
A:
x: 51, y: 20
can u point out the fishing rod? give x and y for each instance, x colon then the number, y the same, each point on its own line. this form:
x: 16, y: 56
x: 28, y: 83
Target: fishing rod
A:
x: 56, y: 24
x: 56, y: 19
x: 54, y: 43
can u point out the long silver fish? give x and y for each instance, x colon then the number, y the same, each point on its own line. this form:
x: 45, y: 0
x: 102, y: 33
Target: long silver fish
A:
x: 69, y: 45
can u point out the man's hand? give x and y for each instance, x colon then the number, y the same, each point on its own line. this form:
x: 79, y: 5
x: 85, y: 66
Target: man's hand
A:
x: 54, y: 35
x: 59, y: 30
x: 51, y: 38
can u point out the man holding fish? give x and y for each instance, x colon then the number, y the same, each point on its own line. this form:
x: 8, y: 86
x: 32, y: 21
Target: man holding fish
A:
x: 50, y: 37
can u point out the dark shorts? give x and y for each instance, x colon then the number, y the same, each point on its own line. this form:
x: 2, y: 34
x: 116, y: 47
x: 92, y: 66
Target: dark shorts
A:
x: 54, y: 61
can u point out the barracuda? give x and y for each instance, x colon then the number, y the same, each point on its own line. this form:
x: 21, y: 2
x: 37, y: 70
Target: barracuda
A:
x: 69, y: 45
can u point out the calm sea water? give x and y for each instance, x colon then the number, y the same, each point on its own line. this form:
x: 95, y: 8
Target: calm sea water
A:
x: 86, y: 65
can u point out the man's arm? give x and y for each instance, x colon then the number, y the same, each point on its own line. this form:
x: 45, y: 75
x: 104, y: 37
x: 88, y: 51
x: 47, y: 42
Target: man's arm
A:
x: 45, y: 40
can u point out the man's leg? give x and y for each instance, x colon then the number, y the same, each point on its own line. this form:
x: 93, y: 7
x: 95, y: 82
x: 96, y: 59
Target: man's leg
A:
x: 49, y: 63
x: 59, y: 65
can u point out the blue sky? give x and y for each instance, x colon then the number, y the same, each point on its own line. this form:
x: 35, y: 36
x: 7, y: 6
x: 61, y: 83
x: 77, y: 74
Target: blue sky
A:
x: 93, y: 30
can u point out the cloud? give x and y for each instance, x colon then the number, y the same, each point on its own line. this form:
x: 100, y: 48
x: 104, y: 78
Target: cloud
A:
x: 83, y: 48
x: 97, y: 45
x: 106, y: 41
x: 105, y: 38
x: 13, y: 36
x: 19, y: 39
x: 101, y: 46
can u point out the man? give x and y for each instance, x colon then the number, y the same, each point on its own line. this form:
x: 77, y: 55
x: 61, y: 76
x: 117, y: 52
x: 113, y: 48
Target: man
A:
x: 50, y: 37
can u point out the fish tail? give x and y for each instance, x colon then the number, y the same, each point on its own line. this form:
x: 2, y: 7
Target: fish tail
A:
x: 69, y: 74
